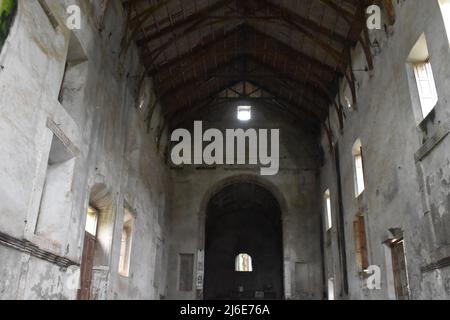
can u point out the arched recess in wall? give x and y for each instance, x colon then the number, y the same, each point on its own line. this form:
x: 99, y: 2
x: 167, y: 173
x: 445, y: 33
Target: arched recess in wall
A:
x: 250, y: 178
x: 101, y: 199
x: 243, y: 244
x: 95, y: 262
x: 8, y: 9
x: 257, y: 180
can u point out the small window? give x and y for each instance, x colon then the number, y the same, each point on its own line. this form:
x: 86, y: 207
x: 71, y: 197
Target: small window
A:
x: 419, y: 58
x: 91, y: 221
x: 244, y: 113
x: 243, y: 263
x: 331, y: 289
x: 426, y: 86
x: 445, y: 9
x: 358, y: 168
x: 327, y: 204
x: 125, y: 245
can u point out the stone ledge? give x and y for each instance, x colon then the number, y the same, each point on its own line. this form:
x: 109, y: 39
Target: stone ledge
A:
x: 440, y: 264
x: 431, y: 143
x: 33, y: 250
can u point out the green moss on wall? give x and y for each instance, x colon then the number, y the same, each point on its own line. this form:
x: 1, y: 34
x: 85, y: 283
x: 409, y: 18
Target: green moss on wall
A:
x: 8, y: 9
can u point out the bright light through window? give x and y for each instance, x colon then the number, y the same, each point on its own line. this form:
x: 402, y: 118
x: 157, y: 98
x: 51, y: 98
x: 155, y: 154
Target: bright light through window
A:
x: 329, y: 221
x: 125, y: 246
x: 243, y: 263
x: 419, y: 58
x: 244, y: 113
x: 91, y: 221
x: 427, y: 87
x: 358, y: 168
x: 331, y: 289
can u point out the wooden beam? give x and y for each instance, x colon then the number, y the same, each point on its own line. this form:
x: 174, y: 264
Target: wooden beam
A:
x: 198, y: 16
x: 277, y: 46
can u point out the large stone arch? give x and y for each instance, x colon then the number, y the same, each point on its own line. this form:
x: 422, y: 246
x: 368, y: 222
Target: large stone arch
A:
x: 256, y: 179
x: 270, y: 187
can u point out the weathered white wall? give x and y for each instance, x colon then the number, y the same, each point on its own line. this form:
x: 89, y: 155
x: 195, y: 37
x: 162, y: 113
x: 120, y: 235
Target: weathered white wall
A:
x: 103, y: 122
x: 400, y: 192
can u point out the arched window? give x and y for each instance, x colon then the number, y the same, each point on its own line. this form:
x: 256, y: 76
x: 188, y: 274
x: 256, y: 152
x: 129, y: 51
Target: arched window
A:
x: 419, y: 60
x: 243, y: 263
x: 327, y: 204
x: 358, y: 168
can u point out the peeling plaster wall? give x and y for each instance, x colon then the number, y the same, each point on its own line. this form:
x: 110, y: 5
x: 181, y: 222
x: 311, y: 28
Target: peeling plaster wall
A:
x: 114, y: 148
x: 296, y: 185
x: 400, y: 191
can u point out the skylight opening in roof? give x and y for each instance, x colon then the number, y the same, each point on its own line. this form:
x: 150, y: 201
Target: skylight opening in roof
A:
x: 244, y: 113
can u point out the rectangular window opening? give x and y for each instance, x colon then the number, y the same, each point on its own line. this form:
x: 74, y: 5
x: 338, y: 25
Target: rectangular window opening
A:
x: 419, y: 59
x: 358, y: 168
x: 244, y: 113
x: 328, y: 218
x: 126, y: 243
x: 91, y: 221
x: 426, y: 86
x: 331, y: 295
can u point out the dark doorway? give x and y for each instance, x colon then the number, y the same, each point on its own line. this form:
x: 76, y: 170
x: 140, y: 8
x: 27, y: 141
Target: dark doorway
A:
x: 243, y: 244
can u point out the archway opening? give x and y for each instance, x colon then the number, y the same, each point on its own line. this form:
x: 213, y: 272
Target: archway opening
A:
x: 243, y: 244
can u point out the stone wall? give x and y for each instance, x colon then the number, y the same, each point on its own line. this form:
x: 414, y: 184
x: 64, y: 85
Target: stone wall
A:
x: 406, y: 160
x: 87, y: 128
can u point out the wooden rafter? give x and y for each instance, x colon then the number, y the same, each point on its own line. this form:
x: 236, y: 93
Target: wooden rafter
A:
x: 192, y: 52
